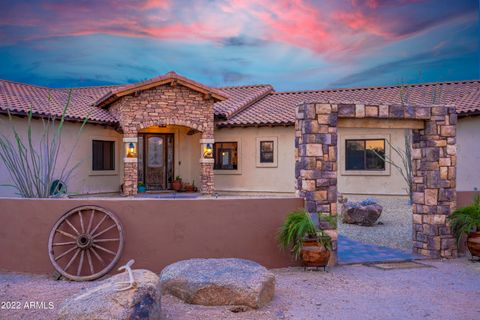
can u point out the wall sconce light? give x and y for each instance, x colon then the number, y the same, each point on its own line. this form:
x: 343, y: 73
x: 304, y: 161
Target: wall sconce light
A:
x: 208, y: 150
x: 130, y: 149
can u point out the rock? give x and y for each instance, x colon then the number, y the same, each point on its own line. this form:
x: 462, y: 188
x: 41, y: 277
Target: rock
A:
x: 104, y: 302
x: 354, y: 213
x: 215, y: 282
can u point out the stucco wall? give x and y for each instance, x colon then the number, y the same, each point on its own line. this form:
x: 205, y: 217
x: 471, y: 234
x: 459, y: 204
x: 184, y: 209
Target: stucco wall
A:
x: 468, y: 154
x: 389, y: 182
x: 258, y: 179
x: 84, y: 180
x: 157, y: 232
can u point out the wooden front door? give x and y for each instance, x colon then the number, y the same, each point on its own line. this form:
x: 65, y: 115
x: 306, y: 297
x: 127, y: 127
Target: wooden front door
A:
x: 157, y: 161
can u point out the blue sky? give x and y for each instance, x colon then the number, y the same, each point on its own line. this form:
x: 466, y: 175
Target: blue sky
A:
x: 293, y: 45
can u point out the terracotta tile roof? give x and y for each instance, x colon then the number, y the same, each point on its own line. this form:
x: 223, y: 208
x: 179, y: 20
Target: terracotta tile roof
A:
x: 168, y: 77
x: 19, y: 98
x: 240, y: 98
x: 278, y: 108
x: 245, y: 105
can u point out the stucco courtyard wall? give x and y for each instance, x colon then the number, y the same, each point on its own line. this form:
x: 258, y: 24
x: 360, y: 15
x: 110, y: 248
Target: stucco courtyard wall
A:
x: 157, y: 232
x: 84, y: 180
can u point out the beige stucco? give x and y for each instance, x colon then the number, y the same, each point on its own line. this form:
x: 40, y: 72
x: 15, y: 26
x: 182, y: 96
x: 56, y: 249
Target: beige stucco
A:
x: 86, y: 181
x: 388, y: 182
x: 468, y: 154
x: 253, y: 178
x: 83, y: 180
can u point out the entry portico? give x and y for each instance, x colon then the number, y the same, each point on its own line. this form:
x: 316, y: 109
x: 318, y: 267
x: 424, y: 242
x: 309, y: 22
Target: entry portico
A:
x: 150, y: 114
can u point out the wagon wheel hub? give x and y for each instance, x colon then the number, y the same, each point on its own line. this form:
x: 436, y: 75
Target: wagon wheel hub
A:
x: 85, y: 243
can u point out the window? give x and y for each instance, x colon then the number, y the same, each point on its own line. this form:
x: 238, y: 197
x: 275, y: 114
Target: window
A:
x: 362, y: 154
x: 225, y: 155
x: 266, y: 151
x: 103, y: 155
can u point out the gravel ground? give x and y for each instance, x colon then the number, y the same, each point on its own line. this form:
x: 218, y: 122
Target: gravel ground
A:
x: 444, y: 290
x: 396, y: 231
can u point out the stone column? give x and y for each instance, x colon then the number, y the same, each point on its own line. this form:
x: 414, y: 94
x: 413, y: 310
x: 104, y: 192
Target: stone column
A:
x: 130, y: 170
x: 207, y: 186
x: 434, y: 187
x: 316, y: 157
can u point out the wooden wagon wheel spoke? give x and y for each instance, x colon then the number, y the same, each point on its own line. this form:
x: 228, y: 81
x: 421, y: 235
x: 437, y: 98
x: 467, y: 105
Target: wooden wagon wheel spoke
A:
x: 66, y: 234
x: 81, y: 221
x: 65, y: 253
x: 100, y: 233
x: 71, y: 226
x: 95, y: 253
x: 106, y: 240
x: 92, y: 213
x: 84, y: 243
x: 80, y: 264
x: 72, y: 259
x: 98, y: 225
x: 90, y: 263
x: 68, y: 243
x: 104, y: 249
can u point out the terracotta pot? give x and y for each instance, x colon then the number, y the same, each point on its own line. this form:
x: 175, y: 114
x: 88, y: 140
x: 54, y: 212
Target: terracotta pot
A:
x: 313, y: 254
x: 177, y: 185
x: 189, y: 188
x: 473, y: 243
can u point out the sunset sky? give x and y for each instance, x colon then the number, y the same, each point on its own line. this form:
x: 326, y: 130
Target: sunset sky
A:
x: 293, y: 45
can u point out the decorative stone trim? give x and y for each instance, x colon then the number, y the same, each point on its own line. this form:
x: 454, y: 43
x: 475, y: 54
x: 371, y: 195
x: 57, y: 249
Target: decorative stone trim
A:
x: 207, y: 140
x: 434, y: 161
x: 130, y: 139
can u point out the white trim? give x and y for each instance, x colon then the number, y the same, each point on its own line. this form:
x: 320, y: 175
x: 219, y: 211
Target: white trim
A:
x: 114, y: 172
x: 207, y: 140
x: 273, y: 164
x: 238, y: 140
x: 360, y: 136
x: 134, y: 139
x: 130, y: 160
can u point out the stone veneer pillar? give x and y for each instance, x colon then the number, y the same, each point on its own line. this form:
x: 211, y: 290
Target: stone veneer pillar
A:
x: 130, y: 170
x: 433, y: 156
x: 207, y: 186
x: 434, y: 189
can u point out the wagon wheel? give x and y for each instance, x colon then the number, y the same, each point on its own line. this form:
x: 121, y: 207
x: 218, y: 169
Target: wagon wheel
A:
x: 85, y: 243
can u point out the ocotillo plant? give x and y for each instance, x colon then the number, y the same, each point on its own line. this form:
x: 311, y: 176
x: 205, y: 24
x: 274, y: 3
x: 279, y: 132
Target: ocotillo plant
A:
x: 32, y: 162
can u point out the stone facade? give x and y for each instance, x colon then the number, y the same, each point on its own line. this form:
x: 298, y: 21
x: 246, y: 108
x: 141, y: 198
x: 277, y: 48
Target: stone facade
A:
x: 433, y: 159
x: 165, y: 105
x: 434, y: 197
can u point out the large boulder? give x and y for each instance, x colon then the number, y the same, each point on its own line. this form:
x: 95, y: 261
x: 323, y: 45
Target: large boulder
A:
x: 105, y: 302
x: 214, y: 282
x: 364, y: 215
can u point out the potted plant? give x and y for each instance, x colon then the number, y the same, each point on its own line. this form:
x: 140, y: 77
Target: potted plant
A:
x: 177, y: 183
x: 305, y: 240
x: 141, y: 187
x: 466, y: 222
x: 188, y: 187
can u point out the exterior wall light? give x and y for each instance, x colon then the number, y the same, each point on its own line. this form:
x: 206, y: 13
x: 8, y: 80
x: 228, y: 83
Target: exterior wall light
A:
x: 130, y: 149
x: 206, y: 149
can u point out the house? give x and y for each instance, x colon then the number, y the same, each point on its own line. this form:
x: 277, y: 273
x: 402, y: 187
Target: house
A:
x: 231, y: 139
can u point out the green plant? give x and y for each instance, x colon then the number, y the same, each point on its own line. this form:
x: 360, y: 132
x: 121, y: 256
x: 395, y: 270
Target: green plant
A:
x: 465, y: 220
x: 298, y: 226
x: 141, y: 184
x: 33, y: 164
x: 178, y: 178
